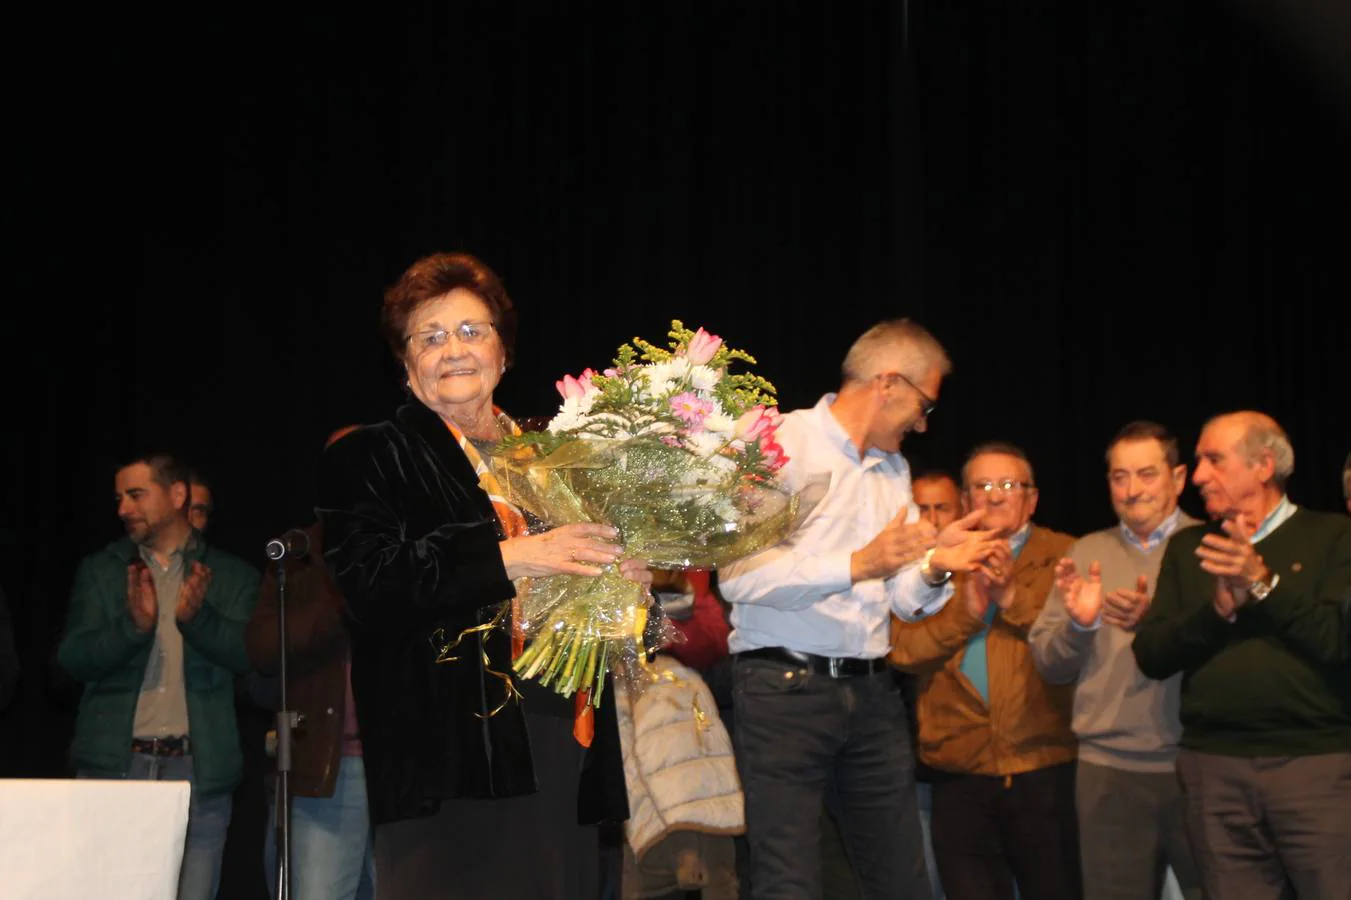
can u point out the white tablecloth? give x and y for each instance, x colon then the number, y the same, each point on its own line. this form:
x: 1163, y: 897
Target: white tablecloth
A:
x: 84, y: 839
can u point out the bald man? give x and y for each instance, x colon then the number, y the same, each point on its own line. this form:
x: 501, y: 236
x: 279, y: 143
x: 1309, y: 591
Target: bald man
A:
x: 1248, y: 609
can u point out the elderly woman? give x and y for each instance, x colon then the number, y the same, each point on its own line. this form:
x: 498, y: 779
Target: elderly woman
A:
x: 472, y: 793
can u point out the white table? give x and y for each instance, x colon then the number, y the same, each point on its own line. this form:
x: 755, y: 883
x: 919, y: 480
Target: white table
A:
x: 80, y: 839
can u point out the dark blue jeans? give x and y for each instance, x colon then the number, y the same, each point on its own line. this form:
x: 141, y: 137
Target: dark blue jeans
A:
x: 803, y: 738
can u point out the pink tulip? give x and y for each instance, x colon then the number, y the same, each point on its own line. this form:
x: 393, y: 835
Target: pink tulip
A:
x: 576, y: 388
x: 702, y: 347
x: 757, y: 423
x: 773, y: 455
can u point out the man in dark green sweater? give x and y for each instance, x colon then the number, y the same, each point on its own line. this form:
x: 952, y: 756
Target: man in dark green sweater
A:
x: 1248, y: 609
x: 155, y: 630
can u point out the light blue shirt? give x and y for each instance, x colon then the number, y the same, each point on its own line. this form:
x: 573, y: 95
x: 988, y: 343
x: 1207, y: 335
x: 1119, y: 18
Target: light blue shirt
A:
x: 1157, y: 536
x: 799, y: 594
x: 1275, y: 519
x: 975, y: 663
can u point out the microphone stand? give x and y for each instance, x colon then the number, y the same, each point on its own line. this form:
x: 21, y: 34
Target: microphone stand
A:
x: 286, y: 720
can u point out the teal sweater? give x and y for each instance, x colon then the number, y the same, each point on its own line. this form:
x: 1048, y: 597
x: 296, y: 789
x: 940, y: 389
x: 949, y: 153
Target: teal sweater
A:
x: 103, y: 648
x: 1275, y: 682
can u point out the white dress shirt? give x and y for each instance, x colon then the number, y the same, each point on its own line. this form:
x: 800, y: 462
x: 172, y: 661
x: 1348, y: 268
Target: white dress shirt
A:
x: 799, y: 594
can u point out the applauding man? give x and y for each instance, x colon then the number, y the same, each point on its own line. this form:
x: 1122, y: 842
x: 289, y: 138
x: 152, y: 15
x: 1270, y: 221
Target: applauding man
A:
x: 997, y: 734
x: 817, y: 712
x: 1249, y: 610
x: 1127, y: 795
x: 156, y: 631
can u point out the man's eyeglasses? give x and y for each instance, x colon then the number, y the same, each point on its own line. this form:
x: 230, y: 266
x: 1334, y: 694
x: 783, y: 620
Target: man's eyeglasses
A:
x: 466, y: 332
x: 1007, y: 486
x: 928, y: 404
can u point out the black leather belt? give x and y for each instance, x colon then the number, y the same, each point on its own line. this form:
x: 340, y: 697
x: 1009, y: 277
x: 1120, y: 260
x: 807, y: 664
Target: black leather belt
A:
x: 165, y: 746
x: 833, y: 666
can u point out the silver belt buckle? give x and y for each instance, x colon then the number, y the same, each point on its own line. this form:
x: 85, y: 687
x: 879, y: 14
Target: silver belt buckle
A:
x: 833, y: 666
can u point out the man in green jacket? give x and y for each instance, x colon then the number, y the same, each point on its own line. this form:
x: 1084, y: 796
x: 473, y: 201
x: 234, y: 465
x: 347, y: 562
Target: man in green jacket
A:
x: 155, y: 632
x: 1248, y: 609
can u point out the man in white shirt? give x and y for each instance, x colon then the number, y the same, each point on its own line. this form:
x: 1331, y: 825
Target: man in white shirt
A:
x: 817, y: 713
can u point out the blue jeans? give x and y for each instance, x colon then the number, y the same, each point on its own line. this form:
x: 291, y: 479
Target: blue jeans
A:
x: 332, y: 853
x: 208, y: 821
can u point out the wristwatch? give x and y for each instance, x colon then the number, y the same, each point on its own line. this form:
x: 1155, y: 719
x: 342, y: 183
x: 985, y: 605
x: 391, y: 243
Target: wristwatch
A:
x: 926, y: 571
x: 1259, y: 590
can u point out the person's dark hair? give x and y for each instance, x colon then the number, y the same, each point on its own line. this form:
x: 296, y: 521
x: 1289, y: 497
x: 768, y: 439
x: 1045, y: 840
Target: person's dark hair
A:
x: 435, y: 276
x: 1144, y: 430
x: 1346, y: 477
x: 165, y: 468
x: 936, y: 475
x: 1003, y: 448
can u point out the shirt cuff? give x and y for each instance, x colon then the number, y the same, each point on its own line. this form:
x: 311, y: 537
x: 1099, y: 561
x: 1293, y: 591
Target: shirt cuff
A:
x: 1090, y: 627
x: 913, y: 598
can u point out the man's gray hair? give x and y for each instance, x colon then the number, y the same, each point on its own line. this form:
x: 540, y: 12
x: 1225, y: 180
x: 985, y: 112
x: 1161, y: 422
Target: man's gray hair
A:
x: 1263, y: 435
x: 919, y: 352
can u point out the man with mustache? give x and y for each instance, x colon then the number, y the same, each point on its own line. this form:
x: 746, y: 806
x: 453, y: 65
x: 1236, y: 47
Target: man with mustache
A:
x: 1248, y: 609
x: 155, y: 630
x: 996, y: 734
x: 1126, y: 793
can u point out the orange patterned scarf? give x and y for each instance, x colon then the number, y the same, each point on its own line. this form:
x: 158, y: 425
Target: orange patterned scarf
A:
x: 514, y: 525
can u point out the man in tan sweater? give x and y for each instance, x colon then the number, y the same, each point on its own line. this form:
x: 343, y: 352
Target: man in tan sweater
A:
x: 997, y: 734
x: 1130, y: 806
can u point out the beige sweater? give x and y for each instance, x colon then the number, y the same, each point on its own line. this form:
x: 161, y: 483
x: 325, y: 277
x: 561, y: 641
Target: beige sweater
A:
x: 1122, y: 719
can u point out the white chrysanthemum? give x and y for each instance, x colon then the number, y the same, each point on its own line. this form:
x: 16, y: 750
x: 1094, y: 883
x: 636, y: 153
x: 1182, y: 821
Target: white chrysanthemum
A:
x: 702, y: 378
x: 705, y: 443
x: 573, y: 413
x: 720, y: 423
x: 665, y: 377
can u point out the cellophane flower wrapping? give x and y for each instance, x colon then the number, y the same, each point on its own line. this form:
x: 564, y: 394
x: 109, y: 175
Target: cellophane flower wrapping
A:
x: 674, y: 451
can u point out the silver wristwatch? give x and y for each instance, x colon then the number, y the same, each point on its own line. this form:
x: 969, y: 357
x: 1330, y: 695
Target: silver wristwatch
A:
x: 926, y: 571
x: 1260, y: 589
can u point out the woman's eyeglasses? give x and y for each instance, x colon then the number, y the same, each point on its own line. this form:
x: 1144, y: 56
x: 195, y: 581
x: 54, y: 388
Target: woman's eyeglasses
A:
x: 466, y: 333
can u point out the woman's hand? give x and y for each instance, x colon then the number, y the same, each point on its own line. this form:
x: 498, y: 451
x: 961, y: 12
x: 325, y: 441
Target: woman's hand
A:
x: 567, y: 550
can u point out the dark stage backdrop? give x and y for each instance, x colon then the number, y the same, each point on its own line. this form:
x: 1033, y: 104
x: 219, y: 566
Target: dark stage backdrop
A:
x: 1105, y: 213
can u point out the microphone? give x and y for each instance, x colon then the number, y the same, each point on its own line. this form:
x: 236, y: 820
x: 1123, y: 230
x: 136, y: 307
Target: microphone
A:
x: 293, y: 543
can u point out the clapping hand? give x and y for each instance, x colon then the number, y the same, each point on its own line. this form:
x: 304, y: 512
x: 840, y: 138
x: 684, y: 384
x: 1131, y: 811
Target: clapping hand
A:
x: 1083, y: 597
x: 193, y: 592
x: 996, y: 572
x: 1124, y: 608
x: 895, y: 547
x: 962, y: 547
x: 141, y: 601
x: 1235, y: 563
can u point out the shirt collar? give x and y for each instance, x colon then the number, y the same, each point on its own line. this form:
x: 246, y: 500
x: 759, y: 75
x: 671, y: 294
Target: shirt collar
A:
x: 191, y: 543
x: 1275, y: 519
x: 1158, y: 535
x: 834, y: 432
x: 1018, y: 540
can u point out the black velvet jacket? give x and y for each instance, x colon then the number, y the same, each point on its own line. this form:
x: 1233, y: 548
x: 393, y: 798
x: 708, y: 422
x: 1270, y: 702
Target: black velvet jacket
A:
x: 413, y: 543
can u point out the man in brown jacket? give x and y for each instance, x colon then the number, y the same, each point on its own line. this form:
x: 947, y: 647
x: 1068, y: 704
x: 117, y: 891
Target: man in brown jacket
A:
x: 997, y: 734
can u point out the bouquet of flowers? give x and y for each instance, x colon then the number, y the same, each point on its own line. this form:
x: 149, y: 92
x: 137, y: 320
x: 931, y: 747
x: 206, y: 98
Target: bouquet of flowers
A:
x: 676, y: 452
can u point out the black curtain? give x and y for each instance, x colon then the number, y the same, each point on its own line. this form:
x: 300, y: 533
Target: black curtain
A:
x: 1104, y: 213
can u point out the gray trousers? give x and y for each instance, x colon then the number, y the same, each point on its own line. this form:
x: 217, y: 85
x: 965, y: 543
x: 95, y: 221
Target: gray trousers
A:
x: 1131, y: 828
x: 1270, y: 827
